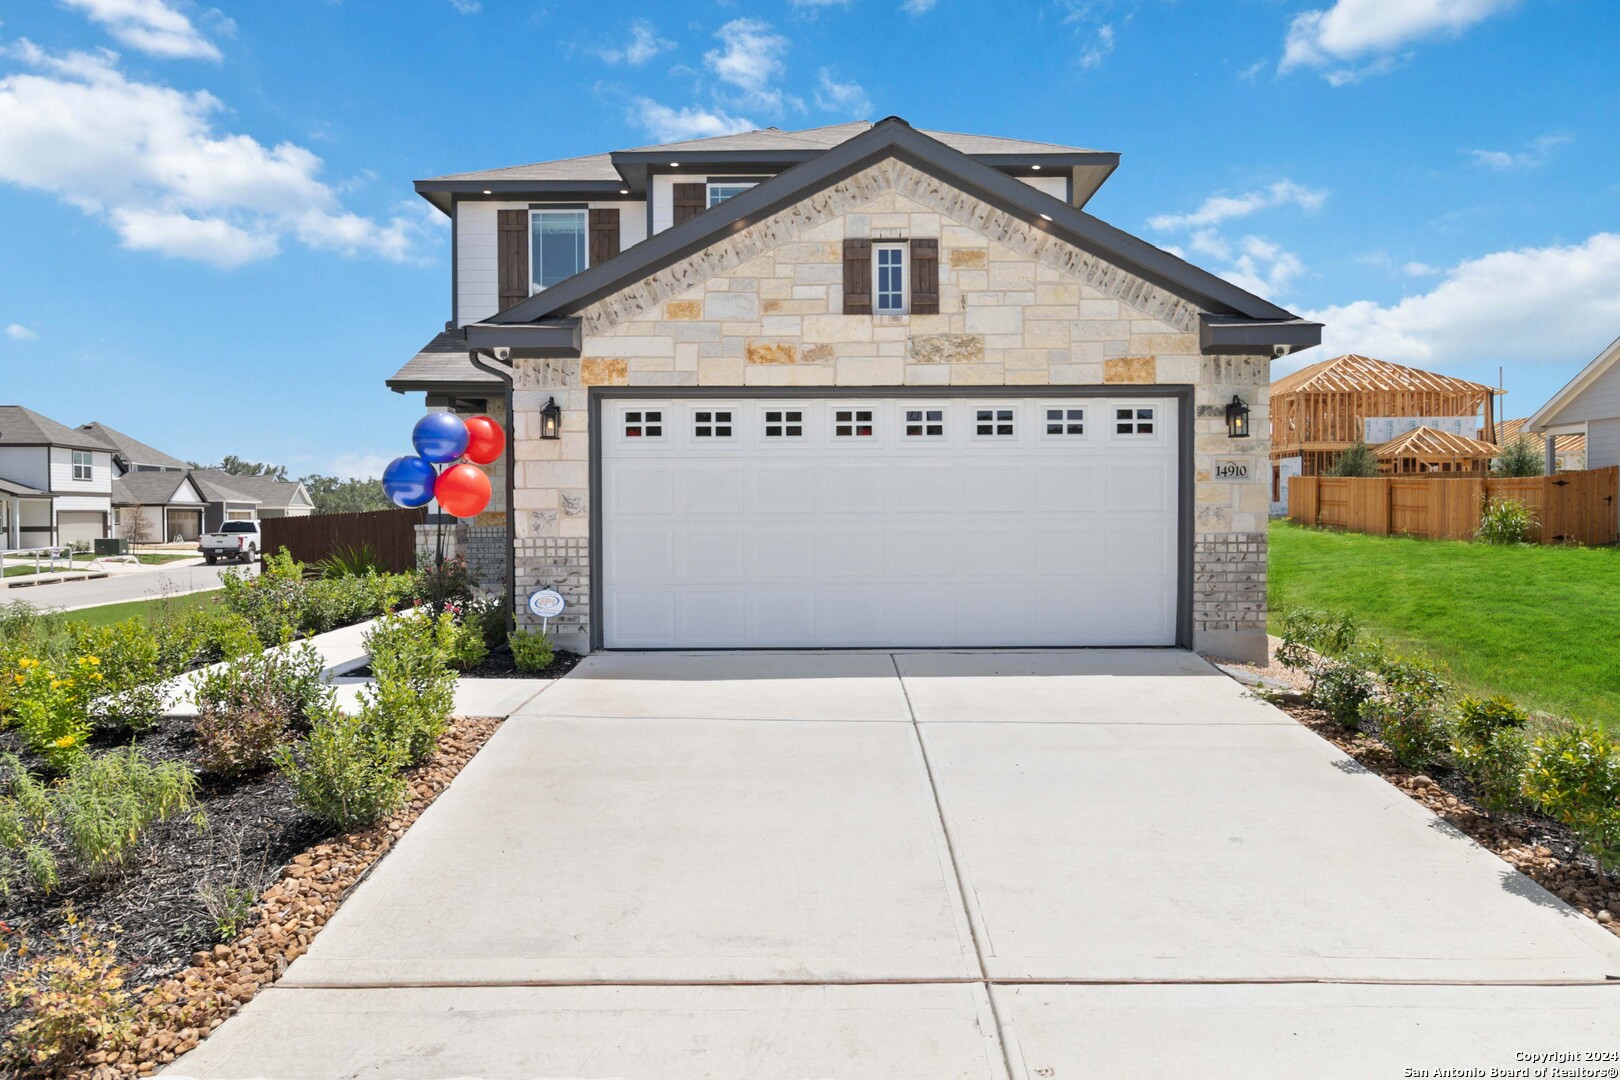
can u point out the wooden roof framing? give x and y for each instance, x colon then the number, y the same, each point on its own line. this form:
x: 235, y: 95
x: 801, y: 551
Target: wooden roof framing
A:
x: 1322, y: 408
x: 1427, y: 444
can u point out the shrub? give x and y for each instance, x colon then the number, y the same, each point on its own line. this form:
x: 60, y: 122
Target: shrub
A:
x: 1478, y: 719
x: 1574, y: 777
x: 449, y: 582
x: 73, y: 998
x: 53, y: 710
x: 280, y: 604
x: 1495, y: 765
x: 228, y: 906
x: 1340, y: 688
x: 1519, y: 458
x: 352, y: 560
x: 132, y: 696
x: 1358, y: 460
x: 531, y: 650
x: 1410, y: 710
x: 246, y: 707
x: 346, y: 777
x: 409, y: 703
x: 1305, y: 632
x: 460, y: 637
x: 1505, y: 521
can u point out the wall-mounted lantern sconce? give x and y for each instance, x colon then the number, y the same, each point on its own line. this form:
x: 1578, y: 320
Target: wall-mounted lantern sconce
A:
x: 1237, y: 418
x: 551, y: 420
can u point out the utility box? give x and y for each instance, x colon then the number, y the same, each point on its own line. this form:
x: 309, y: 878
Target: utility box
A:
x: 112, y: 545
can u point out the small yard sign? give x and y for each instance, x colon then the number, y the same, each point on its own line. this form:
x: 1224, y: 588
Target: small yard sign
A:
x: 546, y: 605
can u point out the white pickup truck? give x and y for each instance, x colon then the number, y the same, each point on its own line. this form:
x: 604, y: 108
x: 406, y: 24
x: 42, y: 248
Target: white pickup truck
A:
x: 235, y: 540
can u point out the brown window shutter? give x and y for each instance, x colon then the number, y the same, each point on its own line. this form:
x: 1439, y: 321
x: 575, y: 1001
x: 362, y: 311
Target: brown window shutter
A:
x: 512, y: 247
x: 925, y: 277
x: 689, y: 201
x: 604, y: 235
x: 857, y: 277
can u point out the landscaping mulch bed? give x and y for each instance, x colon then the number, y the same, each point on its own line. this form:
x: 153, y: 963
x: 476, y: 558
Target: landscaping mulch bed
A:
x: 300, y: 872
x: 500, y: 665
x: 1543, y: 850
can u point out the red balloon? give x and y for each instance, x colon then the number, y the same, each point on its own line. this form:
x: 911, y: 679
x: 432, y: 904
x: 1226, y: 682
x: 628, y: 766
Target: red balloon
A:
x: 485, y: 439
x: 463, y: 491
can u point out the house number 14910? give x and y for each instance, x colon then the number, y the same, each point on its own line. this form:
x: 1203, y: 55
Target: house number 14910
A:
x: 1231, y: 470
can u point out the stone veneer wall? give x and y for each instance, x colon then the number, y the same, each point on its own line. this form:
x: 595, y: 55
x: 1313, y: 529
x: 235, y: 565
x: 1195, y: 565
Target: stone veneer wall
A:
x: 1018, y: 307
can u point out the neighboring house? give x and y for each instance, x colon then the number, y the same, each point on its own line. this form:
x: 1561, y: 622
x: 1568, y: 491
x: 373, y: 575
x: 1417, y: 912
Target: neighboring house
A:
x: 1570, y: 452
x: 55, y: 481
x: 170, y: 504
x: 1588, y: 405
x: 223, y: 503
x: 857, y: 386
x: 132, y: 455
x: 1323, y: 409
x: 249, y: 498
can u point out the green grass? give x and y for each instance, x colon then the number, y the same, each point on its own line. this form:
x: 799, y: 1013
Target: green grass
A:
x: 1538, y: 624
x: 111, y: 613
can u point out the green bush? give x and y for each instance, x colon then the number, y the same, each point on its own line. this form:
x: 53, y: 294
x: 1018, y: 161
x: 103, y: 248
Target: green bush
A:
x: 1410, y: 710
x: 1478, y: 719
x: 98, y: 814
x: 247, y: 706
x: 132, y: 696
x: 449, y: 582
x: 1574, y: 777
x: 281, y: 604
x: 1305, y: 632
x: 1340, y: 688
x: 460, y: 637
x: 1358, y: 460
x: 73, y: 999
x: 1520, y: 457
x: 352, y: 560
x: 413, y: 692
x: 345, y: 776
x: 1495, y: 765
x: 51, y: 706
x: 201, y: 636
x: 531, y: 650
x: 1505, y: 521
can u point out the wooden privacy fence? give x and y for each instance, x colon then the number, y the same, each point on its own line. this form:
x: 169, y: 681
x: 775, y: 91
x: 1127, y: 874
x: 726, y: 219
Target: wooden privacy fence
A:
x: 390, y: 533
x: 1583, y: 507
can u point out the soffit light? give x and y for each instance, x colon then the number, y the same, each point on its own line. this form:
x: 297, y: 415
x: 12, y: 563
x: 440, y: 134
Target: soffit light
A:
x: 1046, y: 217
x: 1037, y: 168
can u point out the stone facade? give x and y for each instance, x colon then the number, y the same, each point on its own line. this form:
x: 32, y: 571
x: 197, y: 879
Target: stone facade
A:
x: 762, y: 307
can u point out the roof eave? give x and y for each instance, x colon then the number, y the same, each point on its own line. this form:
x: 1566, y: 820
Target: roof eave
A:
x: 1547, y: 416
x: 551, y: 338
x: 1225, y: 335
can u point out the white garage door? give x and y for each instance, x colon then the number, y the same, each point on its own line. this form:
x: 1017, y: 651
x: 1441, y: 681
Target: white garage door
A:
x: 79, y: 526
x: 890, y: 522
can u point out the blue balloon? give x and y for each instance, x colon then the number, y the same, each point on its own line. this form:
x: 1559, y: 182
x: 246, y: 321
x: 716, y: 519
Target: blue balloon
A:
x: 440, y: 437
x: 408, y: 481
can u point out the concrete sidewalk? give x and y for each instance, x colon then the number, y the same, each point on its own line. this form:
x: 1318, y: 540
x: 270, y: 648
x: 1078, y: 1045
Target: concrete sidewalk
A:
x: 870, y: 865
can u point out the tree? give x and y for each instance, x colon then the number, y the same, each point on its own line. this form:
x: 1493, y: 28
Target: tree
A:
x: 1520, y: 457
x: 1356, y: 461
x: 137, y: 526
x: 239, y: 467
x: 352, y: 496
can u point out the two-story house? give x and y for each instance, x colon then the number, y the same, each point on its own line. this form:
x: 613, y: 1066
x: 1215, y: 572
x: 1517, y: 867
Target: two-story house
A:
x: 860, y: 385
x: 55, y: 481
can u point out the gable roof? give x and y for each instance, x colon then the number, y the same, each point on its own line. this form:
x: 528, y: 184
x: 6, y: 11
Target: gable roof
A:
x: 154, y: 489
x: 1508, y: 431
x: 443, y: 364
x: 1547, y: 415
x: 21, y: 426
x: 267, y: 491
x: 132, y: 450
x: 894, y: 138
x: 213, y: 487
x: 11, y: 487
x: 1352, y: 373
x: 1432, y: 444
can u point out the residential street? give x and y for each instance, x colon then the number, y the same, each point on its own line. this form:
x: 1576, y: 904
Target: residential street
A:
x: 144, y: 584
x: 981, y: 865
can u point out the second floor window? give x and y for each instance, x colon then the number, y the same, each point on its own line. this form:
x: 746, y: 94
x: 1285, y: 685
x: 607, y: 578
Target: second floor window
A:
x: 557, y: 246
x: 889, y: 274
x: 721, y: 190
x: 81, y: 465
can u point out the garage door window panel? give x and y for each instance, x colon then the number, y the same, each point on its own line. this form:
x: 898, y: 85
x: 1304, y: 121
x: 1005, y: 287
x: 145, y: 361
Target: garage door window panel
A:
x: 709, y: 424
x: 782, y: 423
x: 924, y: 424
x: 642, y: 424
x: 1135, y: 419
x: 854, y: 423
x: 1065, y: 422
x: 997, y: 422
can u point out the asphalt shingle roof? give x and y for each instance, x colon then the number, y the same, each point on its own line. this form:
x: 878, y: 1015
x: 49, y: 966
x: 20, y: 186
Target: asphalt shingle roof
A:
x: 264, y: 490
x: 147, y: 488
x: 132, y: 450
x: 21, y: 426
x: 442, y: 361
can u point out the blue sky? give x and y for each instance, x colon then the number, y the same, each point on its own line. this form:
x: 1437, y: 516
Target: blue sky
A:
x: 211, y: 242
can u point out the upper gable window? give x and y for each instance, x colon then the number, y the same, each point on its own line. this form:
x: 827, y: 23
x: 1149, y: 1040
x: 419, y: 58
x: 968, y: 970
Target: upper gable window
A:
x: 557, y: 246
x: 721, y: 190
x: 82, y: 468
x: 889, y: 279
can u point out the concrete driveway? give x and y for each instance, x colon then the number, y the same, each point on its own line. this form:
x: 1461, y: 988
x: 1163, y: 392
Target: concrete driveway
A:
x: 924, y: 865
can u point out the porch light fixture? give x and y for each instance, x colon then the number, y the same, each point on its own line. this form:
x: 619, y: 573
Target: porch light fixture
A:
x: 551, y: 420
x: 1237, y: 418
x: 1046, y: 217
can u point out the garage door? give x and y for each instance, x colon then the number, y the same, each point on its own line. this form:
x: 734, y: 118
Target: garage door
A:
x: 913, y: 521
x: 79, y: 526
x: 184, y: 525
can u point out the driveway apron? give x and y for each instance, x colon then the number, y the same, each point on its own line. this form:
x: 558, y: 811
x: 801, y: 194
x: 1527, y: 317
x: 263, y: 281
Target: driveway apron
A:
x: 930, y: 865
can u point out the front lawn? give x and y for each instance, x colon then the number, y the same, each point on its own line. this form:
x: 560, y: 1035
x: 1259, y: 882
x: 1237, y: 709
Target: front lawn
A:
x: 1539, y: 624
x: 176, y: 605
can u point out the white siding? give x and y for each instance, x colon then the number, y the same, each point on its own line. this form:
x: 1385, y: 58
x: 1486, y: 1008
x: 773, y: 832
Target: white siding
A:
x: 1055, y: 186
x: 1600, y: 401
x: 26, y: 465
x: 477, y: 254
x: 101, y: 467
x: 71, y: 503
x: 1603, y: 442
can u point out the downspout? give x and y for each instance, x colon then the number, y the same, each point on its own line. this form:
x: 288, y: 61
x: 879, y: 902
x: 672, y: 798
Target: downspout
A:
x: 504, y: 374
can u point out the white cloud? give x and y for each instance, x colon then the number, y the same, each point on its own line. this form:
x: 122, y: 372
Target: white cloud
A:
x: 1263, y: 268
x: 150, y: 26
x: 467, y: 7
x: 918, y: 7
x: 19, y: 332
x: 1352, y: 29
x: 1527, y: 305
x: 358, y: 466
x: 1536, y: 154
x: 147, y: 159
x: 816, y: 5
x: 1098, y: 49
x: 843, y: 97
x: 644, y: 44
x: 1219, y: 208
x: 672, y: 125
x: 1419, y: 269
x: 751, y: 60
